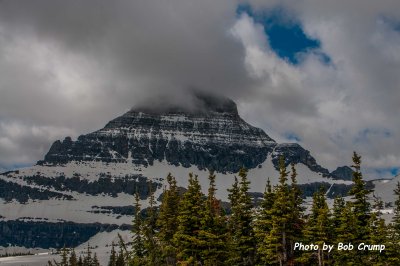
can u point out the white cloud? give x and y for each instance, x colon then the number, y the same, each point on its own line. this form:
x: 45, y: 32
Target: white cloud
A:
x: 19, y: 143
x: 326, y: 105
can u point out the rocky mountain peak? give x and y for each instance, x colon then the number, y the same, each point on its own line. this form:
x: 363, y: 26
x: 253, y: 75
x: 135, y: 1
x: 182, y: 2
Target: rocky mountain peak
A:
x: 208, y: 134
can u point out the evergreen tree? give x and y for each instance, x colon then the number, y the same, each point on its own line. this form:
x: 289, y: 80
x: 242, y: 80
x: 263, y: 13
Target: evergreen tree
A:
x: 318, y: 230
x: 72, y: 259
x: 95, y: 261
x: 121, y: 259
x: 263, y: 224
x: 233, y: 224
x: 360, y: 204
x: 113, y: 256
x: 64, y: 257
x: 378, y: 234
x: 87, y: 260
x: 234, y: 193
x: 393, y: 231
x: 213, y: 232
x: 152, y: 252
x: 80, y: 261
x: 191, y: 211
x: 138, y: 242
x: 360, y: 207
x: 296, y: 221
x: 346, y: 233
x: 396, y: 211
x: 168, y: 221
x: 277, y: 245
x: 338, y: 207
x: 241, y: 222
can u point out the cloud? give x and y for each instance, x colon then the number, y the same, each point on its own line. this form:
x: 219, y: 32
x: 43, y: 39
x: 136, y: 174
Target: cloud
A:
x: 19, y: 143
x: 326, y: 105
x: 69, y: 67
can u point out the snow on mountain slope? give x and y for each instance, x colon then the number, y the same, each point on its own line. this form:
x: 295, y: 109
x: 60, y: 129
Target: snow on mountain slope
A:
x: 384, y: 188
x: 81, y: 208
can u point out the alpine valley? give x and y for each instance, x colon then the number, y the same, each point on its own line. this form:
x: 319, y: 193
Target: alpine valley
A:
x: 83, y: 189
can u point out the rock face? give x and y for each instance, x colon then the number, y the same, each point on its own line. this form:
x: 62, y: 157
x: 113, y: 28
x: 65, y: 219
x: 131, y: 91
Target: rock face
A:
x: 294, y: 153
x: 343, y: 173
x: 212, y: 137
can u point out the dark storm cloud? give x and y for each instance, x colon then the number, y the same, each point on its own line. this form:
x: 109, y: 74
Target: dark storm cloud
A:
x: 162, y: 45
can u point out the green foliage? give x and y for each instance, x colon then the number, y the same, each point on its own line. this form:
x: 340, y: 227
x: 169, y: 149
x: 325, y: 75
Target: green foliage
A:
x: 191, y: 211
x: 213, y: 233
x: 277, y: 245
x: 69, y: 258
x: 73, y: 261
x: 241, y: 222
x: 167, y: 221
x: 361, y: 208
x: 360, y: 204
x: 137, y: 239
x: 318, y: 230
x: 152, y: 252
x: 113, y: 256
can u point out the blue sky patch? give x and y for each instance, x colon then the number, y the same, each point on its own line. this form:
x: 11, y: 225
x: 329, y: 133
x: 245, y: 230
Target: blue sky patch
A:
x: 393, y: 171
x: 369, y: 134
x: 391, y: 22
x: 292, y: 136
x: 285, y: 34
x: 4, y: 168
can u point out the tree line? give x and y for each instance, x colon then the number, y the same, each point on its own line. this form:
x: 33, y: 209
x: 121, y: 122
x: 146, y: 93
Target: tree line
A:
x: 194, y: 229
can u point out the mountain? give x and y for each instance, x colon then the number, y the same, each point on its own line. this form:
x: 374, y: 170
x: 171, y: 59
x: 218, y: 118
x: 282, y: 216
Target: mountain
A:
x: 85, y: 187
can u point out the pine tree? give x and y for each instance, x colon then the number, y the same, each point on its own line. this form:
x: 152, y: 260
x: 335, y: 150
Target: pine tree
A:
x: 138, y: 242
x: 378, y: 234
x: 360, y: 204
x: 113, y: 256
x: 213, y: 232
x: 296, y: 220
x: 396, y: 211
x: 234, y: 193
x: 338, y: 207
x: 393, y: 242
x: 72, y: 259
x: 95, y: 261
x: 121, y: 259
x: 87, y: 260
x: 167, y: 221
x: 191, y: 211
x: 318, y: 230
x: 346, y: 232
x: 80, y: 261
x: 124, y: 257
x: 152, y: 252
x: 263, y: 223
x: 241, y: 222
x: 360, y: 207
x: 233, y: 224
x: 277, y: 244
x: 64, y: 257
